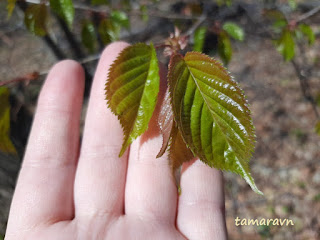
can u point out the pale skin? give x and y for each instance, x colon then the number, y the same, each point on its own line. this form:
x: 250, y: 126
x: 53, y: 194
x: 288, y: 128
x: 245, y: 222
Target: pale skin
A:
x: 70, y: 191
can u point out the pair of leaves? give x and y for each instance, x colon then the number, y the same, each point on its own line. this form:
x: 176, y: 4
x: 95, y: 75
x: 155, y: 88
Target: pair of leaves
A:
x: 36, y: 16
x: 204, y: 113
x: 224, y: 43
x: 108, y: 29
x: 6, y: 145
x: 286, y: 43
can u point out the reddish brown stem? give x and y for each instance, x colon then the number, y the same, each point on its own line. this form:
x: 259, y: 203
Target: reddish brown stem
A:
x: 27, y: 77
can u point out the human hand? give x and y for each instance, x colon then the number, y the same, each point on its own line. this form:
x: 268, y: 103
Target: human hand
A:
x: 68, y: 191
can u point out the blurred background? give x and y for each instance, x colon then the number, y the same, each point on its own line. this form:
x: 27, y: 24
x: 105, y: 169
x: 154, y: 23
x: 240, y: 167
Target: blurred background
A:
x: 272, y: 48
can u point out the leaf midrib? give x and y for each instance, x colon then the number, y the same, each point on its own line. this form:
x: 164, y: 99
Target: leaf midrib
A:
x: 204, y: 98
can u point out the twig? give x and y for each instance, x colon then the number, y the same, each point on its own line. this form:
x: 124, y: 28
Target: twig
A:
x: 308, y: 14
x: 28, y: 77
x: 304, y: 85
x: 106, y: 10
x: 195, y: 25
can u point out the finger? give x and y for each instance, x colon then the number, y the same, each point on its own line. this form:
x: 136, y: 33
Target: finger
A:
x: 150, y: 189
x: 201, y: 203
x: 44, y: 192
x: 100, y: 177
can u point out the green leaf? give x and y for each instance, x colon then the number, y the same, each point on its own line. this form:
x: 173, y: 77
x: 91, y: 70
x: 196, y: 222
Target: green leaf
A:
x: 274, y: 15
x: 120, y: 18
x: 132, y: 89
x: 285, y: 45
x: 199, y: 37
x: 307, y: 31
x: 6, y: 145
x: 317, y: 128
x: 144, y: 11
x: 278, y: 25
x: 64, y: 9
x: 234, y: 30
x: 224, y: 47
x: 212, y: 113
x: 10, y: 7
x: 88, y: 36
x: 100, y: 2
x: 35, y: 19
x: 292, y: 4
x: 224, y: 2
x: 108, y: 31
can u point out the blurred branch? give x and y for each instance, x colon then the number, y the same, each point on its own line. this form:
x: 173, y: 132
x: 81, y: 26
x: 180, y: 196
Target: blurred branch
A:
x: 106, y: 10
x: 26, y: 78
x: 305, y: 88
x: 308, y: 14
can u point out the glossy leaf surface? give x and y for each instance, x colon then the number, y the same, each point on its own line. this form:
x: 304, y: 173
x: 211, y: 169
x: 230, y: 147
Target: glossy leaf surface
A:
x: 165, y: 122
x: 6, y: 145
x: 88, y: 36
x: 224, y: 47
x: 199, y: 37
x: 234, y: 30
x: 286, y: 45
x: 132, y: 89
x: 35, y: 19
x: 64, y: 9
x: 212, y: 113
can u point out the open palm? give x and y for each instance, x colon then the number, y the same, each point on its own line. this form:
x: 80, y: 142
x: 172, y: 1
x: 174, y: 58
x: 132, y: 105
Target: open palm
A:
x: 68, y: 191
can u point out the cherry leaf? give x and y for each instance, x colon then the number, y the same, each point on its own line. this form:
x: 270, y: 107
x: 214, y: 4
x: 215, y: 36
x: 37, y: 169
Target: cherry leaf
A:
x: 132, y: 89
x: 165, y: 122
x: 179, y: 152
x: 212, y: 113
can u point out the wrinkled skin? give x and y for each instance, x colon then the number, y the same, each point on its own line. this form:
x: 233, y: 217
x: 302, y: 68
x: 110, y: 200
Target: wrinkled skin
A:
x: 68, y: 191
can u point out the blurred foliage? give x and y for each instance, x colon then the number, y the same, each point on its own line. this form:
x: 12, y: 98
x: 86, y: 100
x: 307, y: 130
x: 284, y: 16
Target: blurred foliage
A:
x: 199, y: 37
x: 6, y: 145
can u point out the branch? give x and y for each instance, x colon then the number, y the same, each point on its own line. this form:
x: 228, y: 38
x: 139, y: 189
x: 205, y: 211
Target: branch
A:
x: 195, y: 25
x: 28, y: 77
x: 305, y: 87
x: 308, y: 14
x: 106, y: 10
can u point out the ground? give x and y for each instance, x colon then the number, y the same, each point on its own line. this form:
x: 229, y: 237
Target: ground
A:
x: 285, y: 164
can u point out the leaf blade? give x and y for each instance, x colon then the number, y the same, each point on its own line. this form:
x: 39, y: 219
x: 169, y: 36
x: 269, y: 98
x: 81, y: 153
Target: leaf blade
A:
x: 234, y: 30
x: 212, y: 113
x: 308, y: 32
x: 6, y: 145
x: 224, y: 47
x: 88, y: 36
x: 165, y: 122
x: 286, y: 45
x: 64, y: 9
x: 35, y: 19
x: 10, y: 7
x: 199, y: 37
x: 132, y: 89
